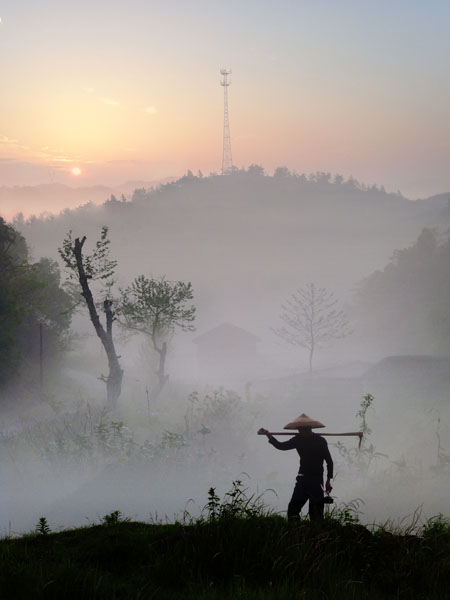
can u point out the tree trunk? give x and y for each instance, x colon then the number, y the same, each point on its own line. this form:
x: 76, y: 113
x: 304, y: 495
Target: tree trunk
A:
x: 115, y: 375
x: 114, y: 385
x: 162, y: 377
x: 114, y: 379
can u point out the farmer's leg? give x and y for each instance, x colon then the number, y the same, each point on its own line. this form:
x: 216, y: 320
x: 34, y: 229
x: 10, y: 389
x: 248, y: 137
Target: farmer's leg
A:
x: 314, y: 486
x: 315, y: 511
x: 298, y: 500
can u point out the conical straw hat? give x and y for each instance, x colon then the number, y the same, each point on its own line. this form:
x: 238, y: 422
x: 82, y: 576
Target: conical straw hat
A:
x: 303, y: 421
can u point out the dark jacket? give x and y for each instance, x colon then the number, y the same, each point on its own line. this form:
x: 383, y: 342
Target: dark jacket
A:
x: 313, y: 450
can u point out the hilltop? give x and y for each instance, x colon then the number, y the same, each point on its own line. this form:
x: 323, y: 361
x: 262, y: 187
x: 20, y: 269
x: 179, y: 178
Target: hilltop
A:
x: 247, y: 240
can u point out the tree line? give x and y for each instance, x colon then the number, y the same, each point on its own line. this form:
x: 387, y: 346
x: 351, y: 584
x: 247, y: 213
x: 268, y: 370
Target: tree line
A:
x: 408, y: 297
x: 33, y: 295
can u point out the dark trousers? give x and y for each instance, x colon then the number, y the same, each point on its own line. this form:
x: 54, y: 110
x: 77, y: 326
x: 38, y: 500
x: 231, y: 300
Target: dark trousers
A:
x: 307, y: 487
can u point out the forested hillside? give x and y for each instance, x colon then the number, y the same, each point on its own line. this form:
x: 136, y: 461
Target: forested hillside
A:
x: 247, y: 240
x: 407, y: 303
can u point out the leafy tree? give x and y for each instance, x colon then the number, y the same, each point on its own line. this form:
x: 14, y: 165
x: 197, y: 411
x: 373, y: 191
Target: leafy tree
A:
x: 320, y: 177
x: 44, y: 303
x: 254, y: 169
x: 312, y: 320
x: 156, y: 307
x: 30, y: 297
x: 96, y: 266
x: 281, y: 173
x: 13, y: 252
x: 13, y: 248
x: 409, y: 299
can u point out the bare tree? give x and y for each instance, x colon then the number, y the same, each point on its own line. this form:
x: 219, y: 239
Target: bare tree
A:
x: 96, y: 267
x: 156, y: 307
x: 312, y: 319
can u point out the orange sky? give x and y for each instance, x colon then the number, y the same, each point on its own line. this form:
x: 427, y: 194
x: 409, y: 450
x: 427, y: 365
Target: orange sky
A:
x: 131, y: 92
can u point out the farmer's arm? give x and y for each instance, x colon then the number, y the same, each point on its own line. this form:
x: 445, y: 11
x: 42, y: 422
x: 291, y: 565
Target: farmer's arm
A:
x: 329, y: 461
x: 289, y: 445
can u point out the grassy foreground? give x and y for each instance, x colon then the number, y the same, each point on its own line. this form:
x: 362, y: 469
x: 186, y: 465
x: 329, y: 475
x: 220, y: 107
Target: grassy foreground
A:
x: 228, y: 557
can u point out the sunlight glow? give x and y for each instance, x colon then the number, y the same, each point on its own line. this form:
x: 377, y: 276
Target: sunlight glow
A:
x: 76, y: 171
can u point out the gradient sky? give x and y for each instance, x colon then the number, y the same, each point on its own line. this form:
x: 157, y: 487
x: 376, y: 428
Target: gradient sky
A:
x: 130, y: 90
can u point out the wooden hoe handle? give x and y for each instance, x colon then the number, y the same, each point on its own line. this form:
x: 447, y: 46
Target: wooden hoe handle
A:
x: 353, y: 433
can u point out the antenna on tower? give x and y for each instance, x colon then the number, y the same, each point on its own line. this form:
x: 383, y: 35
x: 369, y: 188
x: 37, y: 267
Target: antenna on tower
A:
x: 227, y: 161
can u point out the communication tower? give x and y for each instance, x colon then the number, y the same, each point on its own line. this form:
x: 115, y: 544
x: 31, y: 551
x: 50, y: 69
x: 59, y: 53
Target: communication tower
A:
x: 227, y: 161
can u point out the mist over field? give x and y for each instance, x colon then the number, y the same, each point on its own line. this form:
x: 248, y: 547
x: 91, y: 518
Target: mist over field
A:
x: 218, y: 221
x: 246, y: 241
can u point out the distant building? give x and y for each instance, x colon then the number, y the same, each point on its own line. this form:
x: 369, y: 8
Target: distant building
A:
x: 227, y: 353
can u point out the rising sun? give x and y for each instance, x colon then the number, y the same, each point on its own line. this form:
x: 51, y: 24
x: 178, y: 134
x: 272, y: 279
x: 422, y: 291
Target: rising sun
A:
x: 76, y: 171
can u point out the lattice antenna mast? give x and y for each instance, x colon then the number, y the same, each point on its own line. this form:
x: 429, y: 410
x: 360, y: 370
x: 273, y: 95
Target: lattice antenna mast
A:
x: 227, y: 161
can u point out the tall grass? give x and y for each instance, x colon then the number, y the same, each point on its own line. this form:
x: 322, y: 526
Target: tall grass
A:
x: 235, y: 550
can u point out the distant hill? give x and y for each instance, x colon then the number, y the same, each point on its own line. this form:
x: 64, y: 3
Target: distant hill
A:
x: 55, y: 197
x: 247, y: 240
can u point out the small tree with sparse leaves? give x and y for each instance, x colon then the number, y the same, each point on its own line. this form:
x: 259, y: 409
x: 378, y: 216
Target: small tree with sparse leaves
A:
x: 86, y: 268
x: 156, y: 307
x: 312, y: 320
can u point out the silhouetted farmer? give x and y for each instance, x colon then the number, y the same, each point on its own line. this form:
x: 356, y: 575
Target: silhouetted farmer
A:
x: 313, y: 450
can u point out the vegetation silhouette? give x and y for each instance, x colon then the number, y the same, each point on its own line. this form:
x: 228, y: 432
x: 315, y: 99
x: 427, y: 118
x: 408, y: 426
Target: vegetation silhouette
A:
x: 237, y: 550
